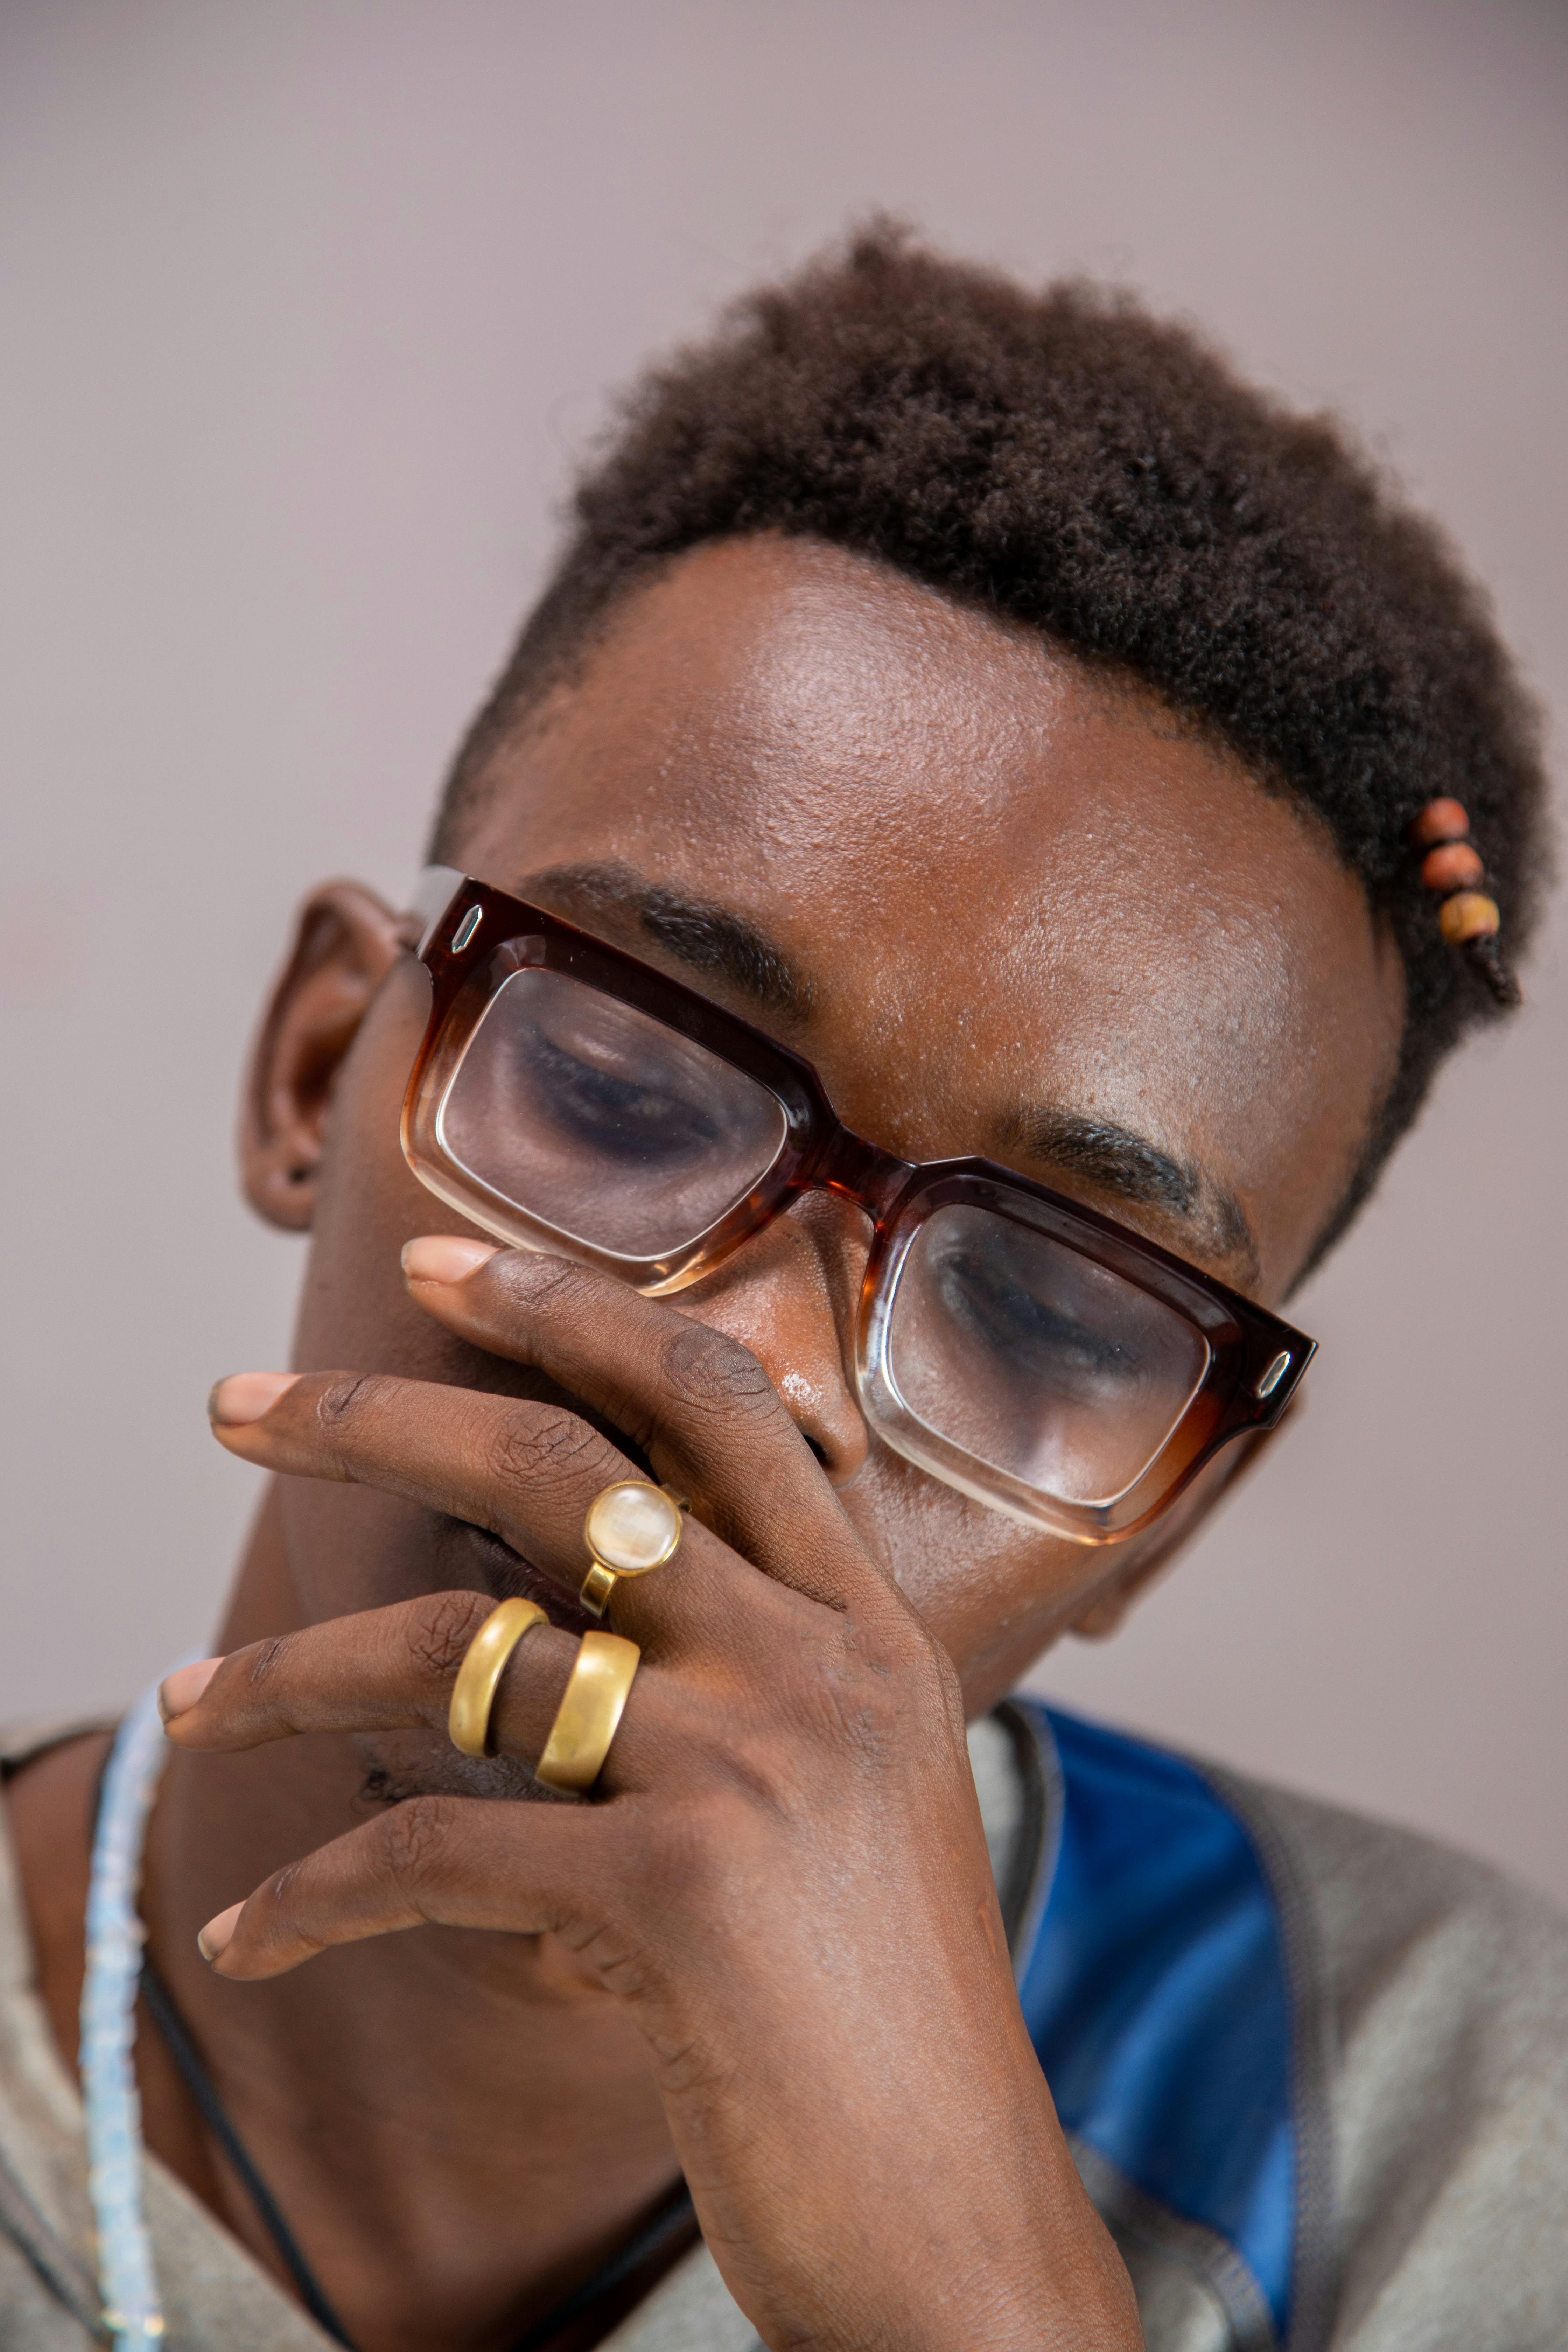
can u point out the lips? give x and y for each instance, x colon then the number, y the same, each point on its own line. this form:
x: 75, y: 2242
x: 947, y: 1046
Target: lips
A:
x: 492, y: 1566
x: 472, y: 1559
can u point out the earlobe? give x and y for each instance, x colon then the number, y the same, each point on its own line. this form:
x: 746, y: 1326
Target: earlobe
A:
x: 345, y: 942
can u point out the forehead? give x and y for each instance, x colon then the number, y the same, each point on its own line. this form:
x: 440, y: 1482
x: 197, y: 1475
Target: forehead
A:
x: 1004, y: 880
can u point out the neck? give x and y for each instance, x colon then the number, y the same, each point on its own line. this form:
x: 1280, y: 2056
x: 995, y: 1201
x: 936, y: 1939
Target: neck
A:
x: 474, y: 2100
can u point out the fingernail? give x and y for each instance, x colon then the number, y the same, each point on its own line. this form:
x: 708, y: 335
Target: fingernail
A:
x: 218, y: 1934
x: 443, y: 1257
x: 245, y: 1396
x: 178, y: 1692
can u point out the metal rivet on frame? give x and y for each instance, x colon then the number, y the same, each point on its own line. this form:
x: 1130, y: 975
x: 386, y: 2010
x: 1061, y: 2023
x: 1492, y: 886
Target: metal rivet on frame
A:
x: 466, y: 929
x: 1273, y: 1376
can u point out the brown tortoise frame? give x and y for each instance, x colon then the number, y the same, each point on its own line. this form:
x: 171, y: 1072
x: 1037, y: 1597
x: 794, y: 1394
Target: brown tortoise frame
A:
x: 475, y: 937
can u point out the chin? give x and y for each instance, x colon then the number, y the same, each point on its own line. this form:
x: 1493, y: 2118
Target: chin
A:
x: 397, y: 1764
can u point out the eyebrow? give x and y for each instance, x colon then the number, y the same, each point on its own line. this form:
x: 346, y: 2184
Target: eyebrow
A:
x: 707, y: 938
x: 1131, y: 1168
x: 716, y: 943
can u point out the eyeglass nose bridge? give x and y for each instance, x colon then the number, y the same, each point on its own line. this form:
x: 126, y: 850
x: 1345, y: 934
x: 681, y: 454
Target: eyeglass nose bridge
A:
x: 862, y: 1173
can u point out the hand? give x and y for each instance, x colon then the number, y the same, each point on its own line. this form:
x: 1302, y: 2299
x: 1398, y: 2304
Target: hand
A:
x: 783, y: 1874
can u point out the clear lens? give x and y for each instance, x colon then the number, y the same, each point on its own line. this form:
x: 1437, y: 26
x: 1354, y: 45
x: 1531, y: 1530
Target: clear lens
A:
x: 594, y: 1118
x: 1034, y: 1359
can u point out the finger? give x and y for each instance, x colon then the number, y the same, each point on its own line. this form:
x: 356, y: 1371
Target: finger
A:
x: 696, y: 1401
x: 525, y: 1469
x: 382, y: 1670
x: 455, y: 1862
x: 393, y: 1669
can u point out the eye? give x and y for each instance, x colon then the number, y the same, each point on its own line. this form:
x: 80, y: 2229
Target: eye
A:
x: 621, y: 1113
x: 1038, y: 1329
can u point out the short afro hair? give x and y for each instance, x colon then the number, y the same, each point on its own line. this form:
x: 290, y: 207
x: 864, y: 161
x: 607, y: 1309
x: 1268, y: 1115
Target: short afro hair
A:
x: 1065, y: 460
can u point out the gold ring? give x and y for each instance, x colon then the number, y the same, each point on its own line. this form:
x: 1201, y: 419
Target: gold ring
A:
x: 590, y: 1710
x: 484, y: 1662
x: 631, y: 1528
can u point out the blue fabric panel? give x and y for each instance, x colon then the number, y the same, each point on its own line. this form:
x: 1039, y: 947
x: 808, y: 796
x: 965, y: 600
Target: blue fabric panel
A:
x: 1157, y: 1997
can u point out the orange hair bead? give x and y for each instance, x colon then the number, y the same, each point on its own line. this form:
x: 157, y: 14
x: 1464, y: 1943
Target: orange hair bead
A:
x: 1469, y: 915
x: 1468, y: 919
x: 1455, y: 866
x: 1440, y: 821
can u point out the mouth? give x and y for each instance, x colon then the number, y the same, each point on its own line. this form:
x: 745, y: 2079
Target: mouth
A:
x: 484, y: 1563
x: 473, y: 1558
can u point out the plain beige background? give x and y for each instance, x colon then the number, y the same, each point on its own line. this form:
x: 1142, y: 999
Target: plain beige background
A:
x: 306, y: 307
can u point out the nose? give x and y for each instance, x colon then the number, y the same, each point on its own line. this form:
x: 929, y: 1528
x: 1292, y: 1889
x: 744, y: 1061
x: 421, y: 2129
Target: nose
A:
x: 790, y: 1295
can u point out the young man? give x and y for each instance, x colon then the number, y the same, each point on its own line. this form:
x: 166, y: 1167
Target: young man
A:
x: 985, y: 700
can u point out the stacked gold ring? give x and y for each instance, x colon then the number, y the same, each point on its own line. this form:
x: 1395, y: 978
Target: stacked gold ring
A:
x: 591, y: 1706
x: 478, y: 1677
x: 590, y: 1712
x: 632, y: 1528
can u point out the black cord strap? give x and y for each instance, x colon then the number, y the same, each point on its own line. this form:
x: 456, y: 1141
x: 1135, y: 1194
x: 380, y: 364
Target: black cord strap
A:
x: 204, y: 2091
x: 673, y: 2217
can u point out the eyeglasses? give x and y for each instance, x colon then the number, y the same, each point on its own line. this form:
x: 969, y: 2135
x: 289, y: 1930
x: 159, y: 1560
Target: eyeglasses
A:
x: 1027, y: 1351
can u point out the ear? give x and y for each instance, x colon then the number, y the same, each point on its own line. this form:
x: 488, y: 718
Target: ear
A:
x: 1104, y: 1614
x: 346, y: 943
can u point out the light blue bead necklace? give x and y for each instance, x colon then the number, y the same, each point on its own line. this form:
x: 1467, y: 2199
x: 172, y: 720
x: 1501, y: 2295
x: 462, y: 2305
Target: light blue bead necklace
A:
x: 127, y: 2276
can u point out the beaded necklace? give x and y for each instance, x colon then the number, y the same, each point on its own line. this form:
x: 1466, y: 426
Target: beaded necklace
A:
x: 127, y: 2278
x: 117, y: 1970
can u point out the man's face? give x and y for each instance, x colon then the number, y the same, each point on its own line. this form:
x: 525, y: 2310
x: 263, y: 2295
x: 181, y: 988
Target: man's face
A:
x: 1011, y: 909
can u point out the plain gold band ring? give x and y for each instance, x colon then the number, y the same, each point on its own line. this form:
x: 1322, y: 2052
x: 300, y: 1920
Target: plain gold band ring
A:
x: 589, y: 1713
x: 478, y: 1677
x: 632, y: 1528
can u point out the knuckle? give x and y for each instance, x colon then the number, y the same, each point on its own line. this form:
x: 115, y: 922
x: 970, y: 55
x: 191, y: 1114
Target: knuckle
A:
x: 344, y: 1396
x: 855, y: 1711
x: 268, y: 1662
x: 409, y: 1841
x: 861, y: 1693
x: 687, y: 2066
x: 283, y: 1890
x: 739, y: 1758
x: 766, y: 1774
x: 283, y: 1915
x: 920, y: 1671
x: 708, y: 1369
x: 270, y: 1697
x: 442, y: 1627
x: 536, y: 1277
x: 687, y: 1860
x: 526, y: 1447
x: 946, y: 1689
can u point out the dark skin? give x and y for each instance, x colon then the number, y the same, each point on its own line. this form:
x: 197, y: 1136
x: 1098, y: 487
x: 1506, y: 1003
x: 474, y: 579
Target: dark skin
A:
x: 1012, y: 909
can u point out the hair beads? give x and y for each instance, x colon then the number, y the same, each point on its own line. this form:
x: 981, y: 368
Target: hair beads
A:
x: 1453, y: 872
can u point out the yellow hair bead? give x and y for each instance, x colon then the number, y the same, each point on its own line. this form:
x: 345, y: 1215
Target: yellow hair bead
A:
x: 1469, y: 915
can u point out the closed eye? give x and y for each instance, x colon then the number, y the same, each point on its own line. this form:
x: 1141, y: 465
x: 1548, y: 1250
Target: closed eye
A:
x: 620, y: 1116
x: 1039, y: 1336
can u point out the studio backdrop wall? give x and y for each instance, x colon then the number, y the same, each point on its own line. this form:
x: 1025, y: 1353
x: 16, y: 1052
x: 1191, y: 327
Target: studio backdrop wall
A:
x: 307, y: 308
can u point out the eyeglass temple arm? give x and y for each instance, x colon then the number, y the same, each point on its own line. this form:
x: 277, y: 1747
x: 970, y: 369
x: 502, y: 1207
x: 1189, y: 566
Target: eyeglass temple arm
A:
x: 433, y: 893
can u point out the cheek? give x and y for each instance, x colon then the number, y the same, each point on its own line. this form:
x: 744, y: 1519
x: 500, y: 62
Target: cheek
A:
x: 354, y: 1311
x: 352, y: 1549
x: 993, y: 1593
x: 349, y: 1547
